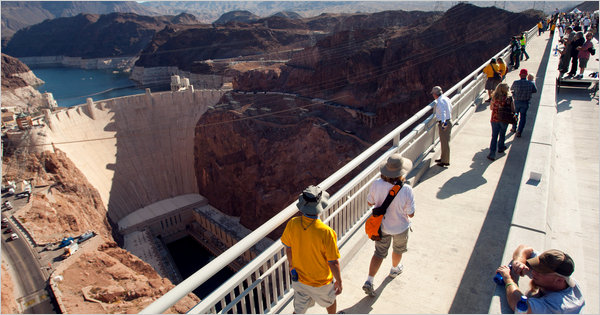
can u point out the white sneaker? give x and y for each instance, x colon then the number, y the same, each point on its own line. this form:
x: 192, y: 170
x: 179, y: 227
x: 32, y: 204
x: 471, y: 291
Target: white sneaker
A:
x: 368, y: 288
x: 394, y: 272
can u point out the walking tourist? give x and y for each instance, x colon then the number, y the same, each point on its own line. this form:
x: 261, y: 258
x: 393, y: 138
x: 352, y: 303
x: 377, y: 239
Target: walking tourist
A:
x: 552, y: 291
x: 443, y: 115
x: 312, y: 253
x: 540, y: 26
x: 492, y: 71
x: 522, y: 90
x: 577, y: 42
x: 523, y: 42
x: 502, y: 68
x: 396, y: 221
x: 502, y: 104
x: 584, y: 53
x: 515, y: 53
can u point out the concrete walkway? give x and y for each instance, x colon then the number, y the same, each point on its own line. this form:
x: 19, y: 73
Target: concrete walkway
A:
x: 464, y: 213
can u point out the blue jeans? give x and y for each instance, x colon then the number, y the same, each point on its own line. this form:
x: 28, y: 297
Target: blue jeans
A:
x: 498, y: 137
x: 521, y: 108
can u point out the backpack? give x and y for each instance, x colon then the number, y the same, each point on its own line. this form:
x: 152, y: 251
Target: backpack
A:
x: 373, y: 224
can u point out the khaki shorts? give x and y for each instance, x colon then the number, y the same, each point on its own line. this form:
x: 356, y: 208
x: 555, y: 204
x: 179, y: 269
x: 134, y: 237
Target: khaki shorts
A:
x: 383, y: 245
x: 306, y: 295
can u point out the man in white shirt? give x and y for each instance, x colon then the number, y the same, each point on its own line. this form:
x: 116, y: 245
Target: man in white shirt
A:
x: 443, y: 115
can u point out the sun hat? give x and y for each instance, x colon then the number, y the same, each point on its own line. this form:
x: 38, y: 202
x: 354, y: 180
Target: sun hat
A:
x: 396, y: 166
x: 313, y: 200
x: 554, y: 261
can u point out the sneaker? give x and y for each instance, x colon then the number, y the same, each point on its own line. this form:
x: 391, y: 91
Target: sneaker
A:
x: 518, y: 135
x: 368, y: 288
x: 491, y: 158
x: 394, y: 272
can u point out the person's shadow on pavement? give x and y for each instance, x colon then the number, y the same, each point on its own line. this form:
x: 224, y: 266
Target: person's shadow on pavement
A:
x: 468, y: 180
x: 365, y: 305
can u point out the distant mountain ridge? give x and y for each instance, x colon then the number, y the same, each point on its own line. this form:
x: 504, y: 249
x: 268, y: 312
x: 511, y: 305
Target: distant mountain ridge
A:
x: 91, y: 35
x: 19, y: 14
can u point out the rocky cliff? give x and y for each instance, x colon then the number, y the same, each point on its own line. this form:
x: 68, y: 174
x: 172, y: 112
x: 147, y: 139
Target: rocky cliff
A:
x: 255, y: 153
x: 18, y: 83
x: 91, y: 35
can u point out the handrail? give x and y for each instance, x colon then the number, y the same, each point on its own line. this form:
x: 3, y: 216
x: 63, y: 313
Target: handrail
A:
x: 347, y: 205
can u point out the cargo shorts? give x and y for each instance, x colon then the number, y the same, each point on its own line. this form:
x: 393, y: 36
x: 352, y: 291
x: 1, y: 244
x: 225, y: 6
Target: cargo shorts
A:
x: 306, y: 295
x: 383, y: 245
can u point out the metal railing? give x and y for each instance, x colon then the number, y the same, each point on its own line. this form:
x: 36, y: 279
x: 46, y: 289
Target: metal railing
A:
x: 264, y: 285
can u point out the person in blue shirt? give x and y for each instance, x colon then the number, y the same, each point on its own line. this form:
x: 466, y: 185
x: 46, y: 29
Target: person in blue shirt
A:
x: 553, y: 291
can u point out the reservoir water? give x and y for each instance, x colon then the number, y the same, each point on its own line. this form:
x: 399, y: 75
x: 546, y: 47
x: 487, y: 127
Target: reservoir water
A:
x: 71, y: 86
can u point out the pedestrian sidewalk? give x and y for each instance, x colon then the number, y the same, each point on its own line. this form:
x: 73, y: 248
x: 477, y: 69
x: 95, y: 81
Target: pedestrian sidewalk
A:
x: 464, y: 213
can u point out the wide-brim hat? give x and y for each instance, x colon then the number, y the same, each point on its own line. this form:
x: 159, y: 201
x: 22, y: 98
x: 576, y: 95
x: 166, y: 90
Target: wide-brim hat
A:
x: 313, y: 200
x: 553, y: 261
x: 396, y: 166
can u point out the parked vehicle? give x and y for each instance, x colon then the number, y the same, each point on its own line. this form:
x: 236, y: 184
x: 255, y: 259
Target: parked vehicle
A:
x: 14, y: 236
x: 4, y: 225
x: 9, y: 230
x: 85, y: 236
x: 66, y: 242
x: 4, y: 220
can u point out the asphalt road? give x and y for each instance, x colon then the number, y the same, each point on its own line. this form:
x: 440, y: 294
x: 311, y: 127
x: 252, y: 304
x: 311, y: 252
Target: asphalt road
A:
x: 36, y: 299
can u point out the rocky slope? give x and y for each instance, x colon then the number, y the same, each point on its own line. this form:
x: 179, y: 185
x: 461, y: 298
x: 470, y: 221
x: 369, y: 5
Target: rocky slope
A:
x: 69, y: 206
x: 65, y: 204
x: 8, y: 299
x: 105, y: 279
x: 263, y: 163
x: 18, y: 83
x: 91, y: 35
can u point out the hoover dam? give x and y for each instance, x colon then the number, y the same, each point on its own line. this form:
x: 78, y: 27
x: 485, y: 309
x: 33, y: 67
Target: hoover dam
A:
x: 136, y: 150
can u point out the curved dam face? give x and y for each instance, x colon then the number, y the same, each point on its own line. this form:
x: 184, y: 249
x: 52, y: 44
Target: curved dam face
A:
x: 136, y: 150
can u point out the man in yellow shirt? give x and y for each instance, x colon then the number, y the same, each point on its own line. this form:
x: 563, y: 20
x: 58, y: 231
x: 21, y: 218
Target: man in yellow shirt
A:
x: 540, y: 26
x: 312, y: 253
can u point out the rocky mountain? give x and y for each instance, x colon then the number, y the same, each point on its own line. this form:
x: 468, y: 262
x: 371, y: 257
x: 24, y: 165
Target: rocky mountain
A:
x: 586, y: 6
x: 18, y: 83
x: 209, y: 11
x: 20, y: 14
x: 91, y: 35
x: 188, y: 47
x: 236, y: 16
x: 262, y: 149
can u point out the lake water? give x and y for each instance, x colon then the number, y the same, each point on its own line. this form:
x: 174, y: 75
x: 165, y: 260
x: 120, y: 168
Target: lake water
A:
x: 71, y: 86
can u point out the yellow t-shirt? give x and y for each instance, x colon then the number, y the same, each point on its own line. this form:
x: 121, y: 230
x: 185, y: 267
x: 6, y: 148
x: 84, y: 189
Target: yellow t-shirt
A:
x: 311, y: 248
x: 490, y: 69
x: 502, y: 68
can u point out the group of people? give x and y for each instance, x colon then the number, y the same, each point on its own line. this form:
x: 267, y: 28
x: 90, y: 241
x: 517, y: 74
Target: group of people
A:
x: 311, y: 245
x: 576, y: 48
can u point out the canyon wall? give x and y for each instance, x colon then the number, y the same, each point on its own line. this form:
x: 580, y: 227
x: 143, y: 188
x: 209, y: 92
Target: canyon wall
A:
x: 136, y: 150
x: 18, y: 85
x: 162, y: 76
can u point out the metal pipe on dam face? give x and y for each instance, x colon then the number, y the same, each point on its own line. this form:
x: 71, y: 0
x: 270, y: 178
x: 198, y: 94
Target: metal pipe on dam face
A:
x: 136, y: 150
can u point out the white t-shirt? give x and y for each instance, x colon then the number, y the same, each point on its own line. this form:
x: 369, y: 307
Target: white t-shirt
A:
x: 395, y: 220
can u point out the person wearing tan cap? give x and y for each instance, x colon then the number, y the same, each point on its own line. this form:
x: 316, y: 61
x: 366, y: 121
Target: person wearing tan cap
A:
x: 552, y: 288
x: 443, y: 115
x: 396, y: 221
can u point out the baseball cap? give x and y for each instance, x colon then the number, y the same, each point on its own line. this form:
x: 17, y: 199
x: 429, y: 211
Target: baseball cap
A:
x: 551, y: 261
x: 523, y: 72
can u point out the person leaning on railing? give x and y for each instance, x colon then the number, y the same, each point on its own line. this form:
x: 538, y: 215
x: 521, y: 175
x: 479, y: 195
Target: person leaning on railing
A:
x: 443, y: 115
x: 312, y: 253
x: 552, y: 288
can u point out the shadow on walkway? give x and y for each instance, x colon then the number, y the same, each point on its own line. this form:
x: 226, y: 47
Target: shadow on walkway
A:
x: 476, y: 289
x: 466, y: 181
x: 365, y: 305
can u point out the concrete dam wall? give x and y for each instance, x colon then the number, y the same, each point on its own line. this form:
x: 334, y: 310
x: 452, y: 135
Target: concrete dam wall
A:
x: 136, y: 150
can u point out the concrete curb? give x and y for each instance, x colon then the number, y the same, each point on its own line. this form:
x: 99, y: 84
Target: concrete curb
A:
x: 529, y: 220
